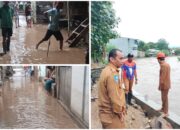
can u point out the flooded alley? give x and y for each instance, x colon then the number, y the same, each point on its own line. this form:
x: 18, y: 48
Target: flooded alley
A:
x: 24, y: 40
x: 24, y: 103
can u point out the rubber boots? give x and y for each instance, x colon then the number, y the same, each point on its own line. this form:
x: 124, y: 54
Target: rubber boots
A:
x: 129, y: 98
x: 4, y: 47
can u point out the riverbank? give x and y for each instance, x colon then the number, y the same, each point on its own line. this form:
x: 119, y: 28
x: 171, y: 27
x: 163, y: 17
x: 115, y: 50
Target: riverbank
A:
x: 143, y: 101
x: 148, y: 79
x: 138, y: 116
x: 135, y: 116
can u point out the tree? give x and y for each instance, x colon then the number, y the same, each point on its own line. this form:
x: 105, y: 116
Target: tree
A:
x: 162, y: 44
x: 109, y: 47
x: 102, y: 25
x: 152, y: 45
x: 177, y: 51
x: 141, y: 46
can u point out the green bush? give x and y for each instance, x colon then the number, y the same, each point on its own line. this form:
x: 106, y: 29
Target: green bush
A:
x: 147, y: 54
x: 166, y: 52
x: 109, y: 47
x: 178, y: 58
x: 177, y: 51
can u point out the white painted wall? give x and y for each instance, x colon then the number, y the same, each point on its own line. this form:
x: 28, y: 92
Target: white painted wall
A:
x: 80, y: 81
x: 42, y: 71
x: 77, y: 89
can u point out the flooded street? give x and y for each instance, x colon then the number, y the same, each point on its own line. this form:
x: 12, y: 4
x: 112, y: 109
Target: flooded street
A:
x: 148, y: 79
x: 24, y: 103
x: 24, y: 40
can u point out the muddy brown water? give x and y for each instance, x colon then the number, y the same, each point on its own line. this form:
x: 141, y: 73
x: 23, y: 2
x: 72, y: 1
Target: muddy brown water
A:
x: 148, y: 79
x: 24, y: 40
x: 25, y: 104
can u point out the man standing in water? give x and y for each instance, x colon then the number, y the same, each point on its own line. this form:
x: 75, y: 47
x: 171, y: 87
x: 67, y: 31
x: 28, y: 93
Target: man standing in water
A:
x: 164, y: 82
x: 129, y: 73
x: 53, y: 28
x: 6, y: 16
x: 112, y: 105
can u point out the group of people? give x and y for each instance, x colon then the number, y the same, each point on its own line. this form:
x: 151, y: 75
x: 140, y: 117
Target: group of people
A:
x: 7, y: 14
x: 113, y: 97
x: 28, y: 12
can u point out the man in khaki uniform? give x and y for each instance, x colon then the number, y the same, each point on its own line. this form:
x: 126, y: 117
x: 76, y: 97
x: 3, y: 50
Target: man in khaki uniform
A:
x: 164, y: 82
x: 112, y: 106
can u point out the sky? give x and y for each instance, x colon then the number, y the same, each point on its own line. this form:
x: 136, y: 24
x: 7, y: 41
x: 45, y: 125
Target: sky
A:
x: 149, y: 20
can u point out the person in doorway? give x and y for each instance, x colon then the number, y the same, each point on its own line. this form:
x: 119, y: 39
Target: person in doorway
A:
x: 26, y: 68
x: 112, y: 105
x: 16, y: 14
x: 31, y: 71
x: 6, y: 17
x: 164, y: 82
x: 53, y: 28
x: 50, y: 78
x: 128, y: 74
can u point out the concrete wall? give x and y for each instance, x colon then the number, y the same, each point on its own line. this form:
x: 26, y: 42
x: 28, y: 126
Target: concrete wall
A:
x: 151, y: 108
x: 80, y: 92
x: 127, y: 45
x: 33, y: 6
x: 41, y: 72
x: 73, y: 92
x: 141, y: 54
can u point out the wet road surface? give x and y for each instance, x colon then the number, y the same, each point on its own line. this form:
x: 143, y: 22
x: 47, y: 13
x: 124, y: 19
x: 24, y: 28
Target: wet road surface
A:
x: 25, y: 104
x: 24, y: 40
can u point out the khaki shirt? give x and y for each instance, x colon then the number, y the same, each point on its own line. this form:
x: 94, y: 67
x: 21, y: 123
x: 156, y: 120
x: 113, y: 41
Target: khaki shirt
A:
x: 111, y: 95
x: 164, y: 80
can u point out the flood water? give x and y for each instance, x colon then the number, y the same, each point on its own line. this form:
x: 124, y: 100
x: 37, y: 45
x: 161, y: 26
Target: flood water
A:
x: 148, y: 79
x: 24, y: 103
x: 24, y: 40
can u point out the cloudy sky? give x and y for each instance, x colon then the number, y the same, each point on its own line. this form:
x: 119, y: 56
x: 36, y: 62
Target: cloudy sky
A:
x: 149, y: 20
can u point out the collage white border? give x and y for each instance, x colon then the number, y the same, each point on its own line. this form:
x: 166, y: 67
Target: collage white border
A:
x: 87, y: 65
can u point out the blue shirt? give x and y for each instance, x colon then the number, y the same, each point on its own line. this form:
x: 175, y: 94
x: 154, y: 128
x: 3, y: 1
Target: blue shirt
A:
x: 54, y: 22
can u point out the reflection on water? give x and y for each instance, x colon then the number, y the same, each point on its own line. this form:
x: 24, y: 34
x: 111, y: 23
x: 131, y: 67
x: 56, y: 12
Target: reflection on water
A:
x: 25, y: 104
x: 148, y: 79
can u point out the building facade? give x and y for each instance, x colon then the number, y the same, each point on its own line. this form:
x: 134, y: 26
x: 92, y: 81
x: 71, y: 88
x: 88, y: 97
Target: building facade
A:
x: 126, y: 45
